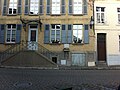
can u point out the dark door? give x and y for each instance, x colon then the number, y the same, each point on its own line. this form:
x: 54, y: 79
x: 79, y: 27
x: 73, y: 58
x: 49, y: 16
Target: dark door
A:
x: 33, y: 35
x: 101, y: 46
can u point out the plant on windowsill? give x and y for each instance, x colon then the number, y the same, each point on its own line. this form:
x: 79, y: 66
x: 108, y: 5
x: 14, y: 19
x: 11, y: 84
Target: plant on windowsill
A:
x: 79, y: 42
x: 55, y: 42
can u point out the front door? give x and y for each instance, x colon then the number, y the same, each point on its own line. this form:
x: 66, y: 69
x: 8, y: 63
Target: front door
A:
x: 32, y: 37
x: 101, y: 47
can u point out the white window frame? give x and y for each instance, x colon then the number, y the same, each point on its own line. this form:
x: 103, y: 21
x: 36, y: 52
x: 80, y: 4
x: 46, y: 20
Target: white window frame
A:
x: 56, y: 7
x: 119, y: 43
x: 77, y: 7
x: 34, y: 7
x: 11, y: 33
x: 55, y: 30
x: 79, y: 33
x: 118, y: 11
x: 12, y: 6
x: 99, y: 13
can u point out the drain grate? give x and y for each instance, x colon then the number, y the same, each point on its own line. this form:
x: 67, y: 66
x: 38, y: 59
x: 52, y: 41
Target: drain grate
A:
x: 23, y: 84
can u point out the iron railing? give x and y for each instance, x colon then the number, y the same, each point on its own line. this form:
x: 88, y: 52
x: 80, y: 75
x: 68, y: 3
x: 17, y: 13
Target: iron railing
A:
x: 26, y: 46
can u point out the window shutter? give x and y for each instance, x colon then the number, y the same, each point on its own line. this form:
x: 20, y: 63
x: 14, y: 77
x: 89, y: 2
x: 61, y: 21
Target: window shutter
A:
x: 2, y: 33
x: 19, y: 6
x: 5, y: 7
x: 46, y: 33
x: 86, y: 34
x: 69, y: 37
x: 48, y: 7
x: 18, y: 33
x: 41, y: 7
x: 84, y: 6
x: 0, y: 7
x: 70, y: 7
x: 63, y: 7
x: 26, y: 7
x: 64, y: 33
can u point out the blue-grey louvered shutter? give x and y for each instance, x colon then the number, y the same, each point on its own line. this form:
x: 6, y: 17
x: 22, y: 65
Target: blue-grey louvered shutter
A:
x: 69, y: 36
x: 70, y: 11
x: 26, y: 7
x: 46, y: 33
x: 2, y: 33
x: 5, y: 7
x: 86, y: 34
x: 0, y: 7
x: 63, y: 7
x: 84, y: 6
x: 64, y: 34
x: 48, y: 7
x: 18, y: 33
x: 41, y: 7
x: 19, y: 6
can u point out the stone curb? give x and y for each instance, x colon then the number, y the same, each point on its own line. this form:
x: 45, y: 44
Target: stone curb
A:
x: 64, y: 68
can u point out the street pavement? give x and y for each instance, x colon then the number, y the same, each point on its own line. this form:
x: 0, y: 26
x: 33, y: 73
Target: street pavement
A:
x: 54, y: 79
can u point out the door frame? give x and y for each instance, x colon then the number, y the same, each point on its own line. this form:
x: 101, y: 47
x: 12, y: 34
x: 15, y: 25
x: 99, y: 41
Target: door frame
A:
x: 29, y: 36
x: 29, y: 33
x: 105, y: 47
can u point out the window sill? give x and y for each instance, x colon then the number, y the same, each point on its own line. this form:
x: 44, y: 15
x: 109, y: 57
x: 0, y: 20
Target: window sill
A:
x: 11, y: 14
x: 10, y: 43
x: 102, y: 24
x: 77, y: 43
x: 55, y: 43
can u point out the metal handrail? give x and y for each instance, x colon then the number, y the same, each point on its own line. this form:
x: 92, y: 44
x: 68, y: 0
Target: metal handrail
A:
x: 14, y: 49
x: 46, y: 52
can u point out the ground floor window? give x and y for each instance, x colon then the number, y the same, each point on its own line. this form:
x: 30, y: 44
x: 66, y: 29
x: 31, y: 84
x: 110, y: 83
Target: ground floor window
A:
x: 55, y: 36
x: 11, y: 33
x: 77, y: 33
x: 66, y: 34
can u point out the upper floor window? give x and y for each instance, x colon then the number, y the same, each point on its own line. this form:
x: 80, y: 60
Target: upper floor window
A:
x: 55, y: 6
x: 100, y: 13
x: 118, y: 11
x: 12, y: 7
x: 77, y: 7
x: 33, y: 7
x: 77, y: 33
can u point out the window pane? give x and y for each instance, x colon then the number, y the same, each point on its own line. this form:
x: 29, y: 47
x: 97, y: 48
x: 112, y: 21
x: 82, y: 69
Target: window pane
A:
x: 12, y: 7
x: 34, y: 6
x: 77, y: 7
x: 77, y: 33
x: 55, y: 6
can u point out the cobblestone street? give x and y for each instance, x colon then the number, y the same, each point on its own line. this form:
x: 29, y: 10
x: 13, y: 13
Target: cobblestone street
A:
x: 33, y: 79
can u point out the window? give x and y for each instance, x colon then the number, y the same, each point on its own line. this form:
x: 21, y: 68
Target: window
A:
x: 118, y: 10
x: 11, y: 33
x: 55, y: 33
x: 77, y: 7
x: 100, y: 12
x: 77, y: 33
x: 34, y: 6
x: 55, y: 6
x: 12, y: 7
x: 66, y: 33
